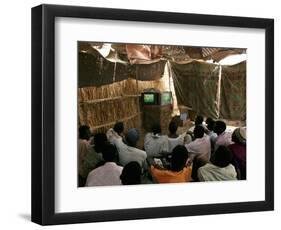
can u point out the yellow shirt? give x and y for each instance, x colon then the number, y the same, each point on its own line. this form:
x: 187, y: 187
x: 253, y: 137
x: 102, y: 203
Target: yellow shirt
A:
x: 168, y: 176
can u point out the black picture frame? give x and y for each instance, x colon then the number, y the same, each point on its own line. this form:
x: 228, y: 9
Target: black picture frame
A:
x: 43, y: 113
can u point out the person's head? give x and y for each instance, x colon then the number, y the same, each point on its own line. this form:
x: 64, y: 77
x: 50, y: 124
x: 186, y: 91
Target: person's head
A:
x: 109, y: 152
x: 198, y: 131
x: 199, y: 120
x: 119, y: 127
x: 222, y: 157
x: 210, y: 123
x: 179, y: 158
x: 156, y: 128
x: 239, y: 135
x: 84, y: 132
x: 131, y: 174
x: 173, y: 127
x: 220, y: 127
x: 100, y: 140
x: 132, y: 137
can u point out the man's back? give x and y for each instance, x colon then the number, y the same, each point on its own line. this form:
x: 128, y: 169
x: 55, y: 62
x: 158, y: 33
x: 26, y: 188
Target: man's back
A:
x: 155, y: 144
x: 211, y: 172
x: 108, y: 174
x: 200, y: 148
x: 173, y: 142
x: 224, y: 139
x: 127, y: 154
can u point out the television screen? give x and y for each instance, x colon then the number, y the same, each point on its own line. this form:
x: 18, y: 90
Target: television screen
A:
x: 166, y: 98
x: 148, y: 98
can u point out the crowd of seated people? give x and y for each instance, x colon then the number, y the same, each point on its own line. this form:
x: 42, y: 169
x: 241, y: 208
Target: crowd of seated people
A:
x: 207, y: 152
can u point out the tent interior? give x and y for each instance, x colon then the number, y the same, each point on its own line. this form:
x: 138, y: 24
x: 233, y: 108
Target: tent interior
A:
x: 121, y: 82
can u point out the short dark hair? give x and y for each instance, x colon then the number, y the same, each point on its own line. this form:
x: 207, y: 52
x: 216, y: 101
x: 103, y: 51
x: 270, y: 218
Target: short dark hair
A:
x: 100, y: 140
x: 109, y: 152
x: 198, y: 131
x: 84, y: 132
x: 131, y: 174
x: 220, y: 127
x: 210, y: 123
x: 179, y: 157
x: 222, y: 157
x: 156, y: 128
x: 234, y: 138
x: 173, y: 127
x: 119, y: 127
x: 199, y: 120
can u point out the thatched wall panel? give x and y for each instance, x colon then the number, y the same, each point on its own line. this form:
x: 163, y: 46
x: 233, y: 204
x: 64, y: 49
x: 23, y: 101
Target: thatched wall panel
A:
x: 100, y: 107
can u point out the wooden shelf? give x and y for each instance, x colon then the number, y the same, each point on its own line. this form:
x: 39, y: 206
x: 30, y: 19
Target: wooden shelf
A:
x: 108, y: 99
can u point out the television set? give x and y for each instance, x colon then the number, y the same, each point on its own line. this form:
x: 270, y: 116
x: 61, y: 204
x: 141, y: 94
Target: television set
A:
x: 150, y: 98
x: 166, y: 98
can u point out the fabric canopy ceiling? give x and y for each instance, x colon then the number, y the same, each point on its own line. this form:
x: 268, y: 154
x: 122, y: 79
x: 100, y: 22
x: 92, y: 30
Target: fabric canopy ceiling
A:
x: 145, y: 54
x: 104, y: 63
x: 95, y: 70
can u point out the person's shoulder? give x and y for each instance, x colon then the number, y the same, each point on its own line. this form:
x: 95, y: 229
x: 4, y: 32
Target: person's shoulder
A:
x: 118, y: 142
x: 158, y: 171
x: 206, y: 136
x: 207, y: 166
x: 142, y: 152
x: 212, y: 133
x: 164, y: 138
x: 220, y: 138
x: 187, y: 169
x: 137, y: 150
x: 83, y: 142
x: 227, y: 132
x: 95, y: 171
x: 230, y: 167
x: 109, y: 132
x: 193, y: 143
x: 190, y: 144
x: 147, y: 135
x: 118, y: 167
x: 181, y: 136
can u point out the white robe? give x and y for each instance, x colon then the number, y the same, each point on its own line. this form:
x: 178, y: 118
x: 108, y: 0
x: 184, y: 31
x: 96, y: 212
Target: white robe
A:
x: 210, y: 172
x: 155, y: 144
x: 173, y: 142
x: 200, y: 148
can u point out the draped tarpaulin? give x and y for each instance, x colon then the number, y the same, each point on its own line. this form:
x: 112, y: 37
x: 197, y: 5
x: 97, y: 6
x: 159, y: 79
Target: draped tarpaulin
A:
x: 153, y: 71
x: 196, y: 86
x: 233, y: 92
x: 95, y: 70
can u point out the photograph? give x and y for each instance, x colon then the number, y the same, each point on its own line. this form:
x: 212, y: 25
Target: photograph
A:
x: 137, y: 113
x: 154, y: 113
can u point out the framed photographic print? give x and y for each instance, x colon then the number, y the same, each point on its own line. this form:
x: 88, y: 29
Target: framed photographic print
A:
x: 145, y: 114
